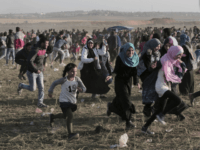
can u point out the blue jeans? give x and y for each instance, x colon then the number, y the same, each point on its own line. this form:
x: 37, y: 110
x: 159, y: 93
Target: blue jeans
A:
x: 34, y: 79
x: 12, y: 52
x: 4, y: 53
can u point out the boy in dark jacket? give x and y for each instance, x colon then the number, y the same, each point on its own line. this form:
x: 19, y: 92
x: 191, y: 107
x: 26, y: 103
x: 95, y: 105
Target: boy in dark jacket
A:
x: 21, y: 59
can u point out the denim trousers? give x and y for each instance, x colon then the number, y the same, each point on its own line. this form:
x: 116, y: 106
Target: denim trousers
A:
x: 35, y: 78
x: 10, y: 51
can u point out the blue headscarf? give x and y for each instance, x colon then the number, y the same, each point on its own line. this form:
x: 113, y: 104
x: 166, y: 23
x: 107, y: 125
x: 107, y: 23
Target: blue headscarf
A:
x: 128, y: 61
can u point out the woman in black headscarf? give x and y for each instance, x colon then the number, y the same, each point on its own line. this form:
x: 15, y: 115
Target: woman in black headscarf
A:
x: 91, y: 69
x: 187, y: 84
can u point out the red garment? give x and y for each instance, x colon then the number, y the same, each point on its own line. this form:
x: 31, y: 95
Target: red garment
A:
x: 84, y: 40
x: 75, y: 49
x: 141, y: 46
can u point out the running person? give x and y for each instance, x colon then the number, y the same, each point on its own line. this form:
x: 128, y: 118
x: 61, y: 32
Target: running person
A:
x: 35, y: 71
x: 166, y: 76
x: 125, y: 69
x: 70, y: 84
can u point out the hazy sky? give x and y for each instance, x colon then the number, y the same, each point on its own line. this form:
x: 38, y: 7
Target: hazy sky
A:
x: 32, y: 6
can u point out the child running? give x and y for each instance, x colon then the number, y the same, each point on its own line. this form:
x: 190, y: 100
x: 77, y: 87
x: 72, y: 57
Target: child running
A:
x: 69, y: 86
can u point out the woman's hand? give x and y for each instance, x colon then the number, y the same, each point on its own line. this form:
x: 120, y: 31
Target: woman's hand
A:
x: 50, y: 95
x: 180, y: 60
x: 95, y: 58
x: 154, y: 65
x: 79, y: 89
x: 108, y: 78
x: 139, y: 86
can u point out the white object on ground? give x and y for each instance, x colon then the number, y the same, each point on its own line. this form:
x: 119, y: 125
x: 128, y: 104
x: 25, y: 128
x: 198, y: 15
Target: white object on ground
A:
x: 93, y: 105
x: 169, y: 130
x: 123, y: 140
x: 149, y: 140
x: 45, y: 113
x: 140, y: 91
x: 56, y: 69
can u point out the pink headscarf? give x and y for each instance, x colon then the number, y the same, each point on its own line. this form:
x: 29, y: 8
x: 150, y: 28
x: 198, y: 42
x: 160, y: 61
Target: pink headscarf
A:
x: 168, y: 64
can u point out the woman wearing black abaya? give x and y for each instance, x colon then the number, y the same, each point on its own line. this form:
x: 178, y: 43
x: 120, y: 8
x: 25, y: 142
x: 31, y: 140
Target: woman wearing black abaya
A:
x: 187, y: 84
x: 125, y: 69
x: 91, y: 69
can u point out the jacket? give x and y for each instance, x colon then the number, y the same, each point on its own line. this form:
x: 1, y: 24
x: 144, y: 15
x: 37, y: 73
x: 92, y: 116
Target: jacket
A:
x: 10, y: 41
x: 36, y: 59
x: 19, y: 40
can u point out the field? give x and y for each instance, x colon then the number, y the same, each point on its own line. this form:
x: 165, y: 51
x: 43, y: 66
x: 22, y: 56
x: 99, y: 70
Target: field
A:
x: 22, y: 128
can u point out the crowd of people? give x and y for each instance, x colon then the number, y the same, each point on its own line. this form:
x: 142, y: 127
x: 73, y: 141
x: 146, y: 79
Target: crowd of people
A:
x: 162, y: 59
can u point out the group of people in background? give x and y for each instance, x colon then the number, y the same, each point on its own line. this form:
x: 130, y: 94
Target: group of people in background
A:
x: 162, y: 59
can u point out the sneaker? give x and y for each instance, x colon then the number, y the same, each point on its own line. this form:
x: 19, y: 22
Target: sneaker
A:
x: 191, y: 99
x: 73, y: 136
x: 146, y: 131
x: 108, y: 111
x: 42, y: 105
x: 62, y: 64
x: 51, y: 121
x: 103, y: 96
x: 130, y: 125
x: 160, y: 118
x: 147, y: 111
x: 19, y: 89
x: 180, y: 117
x: 20, y: 77
x: 23, y: 77
x: 51, y: 67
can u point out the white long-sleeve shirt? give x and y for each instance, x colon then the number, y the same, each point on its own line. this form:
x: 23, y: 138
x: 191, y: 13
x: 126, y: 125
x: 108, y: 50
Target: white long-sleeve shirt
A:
x: 68, y: 89
x: 85, y: 60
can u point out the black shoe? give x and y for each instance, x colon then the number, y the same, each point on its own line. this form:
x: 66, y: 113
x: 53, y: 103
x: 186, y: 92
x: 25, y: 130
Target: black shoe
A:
x: 24, y: 78
x: 108, y: 111
x: 51, y: 121
x: 103, y: 96
x: 73, y: 136
x: 146, y: 131
x: 130, y: 125
x: 147, y: 111
x: 181, y: 117
x: 51, y: 67
x: 191, y: 99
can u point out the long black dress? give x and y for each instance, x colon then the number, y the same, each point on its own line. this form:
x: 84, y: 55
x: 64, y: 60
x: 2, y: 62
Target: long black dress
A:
x: 121, y: 104
x: 93, y: 78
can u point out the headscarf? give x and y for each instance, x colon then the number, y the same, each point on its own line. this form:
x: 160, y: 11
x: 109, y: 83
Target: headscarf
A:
x: 151, y: 44
x: 128, y: 61
x: 168, y: 64
x: 173, y: 40
x: 90, y: 50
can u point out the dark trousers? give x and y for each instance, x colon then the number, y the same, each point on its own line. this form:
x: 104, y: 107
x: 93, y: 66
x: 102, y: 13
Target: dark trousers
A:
x: 164, y: 104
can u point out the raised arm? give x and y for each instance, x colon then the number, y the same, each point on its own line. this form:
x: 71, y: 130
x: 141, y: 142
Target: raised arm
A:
x: 55, y: 83
x: 101, y: 51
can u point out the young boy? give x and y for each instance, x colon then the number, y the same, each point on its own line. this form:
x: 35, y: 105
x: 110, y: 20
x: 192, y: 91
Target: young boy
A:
x: 70, y: 84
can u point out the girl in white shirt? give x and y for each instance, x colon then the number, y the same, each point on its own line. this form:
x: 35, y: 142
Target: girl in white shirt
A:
x: 70, y: 84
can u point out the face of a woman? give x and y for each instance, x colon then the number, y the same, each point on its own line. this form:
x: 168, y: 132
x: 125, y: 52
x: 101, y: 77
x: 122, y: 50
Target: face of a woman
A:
x: 167, y: 46
x: 130, y: 52
x: 90, y: 45
x: 178, y: 56
x: 157, y: 48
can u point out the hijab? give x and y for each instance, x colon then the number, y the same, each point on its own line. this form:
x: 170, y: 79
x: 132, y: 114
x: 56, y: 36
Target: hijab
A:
x: 128, y: 61
x: 90, y: 50
x: 151, y: 44
x: 168, y: 64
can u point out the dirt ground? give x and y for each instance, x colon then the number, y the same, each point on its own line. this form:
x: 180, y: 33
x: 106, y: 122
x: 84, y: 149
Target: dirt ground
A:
x: 21, y: 128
